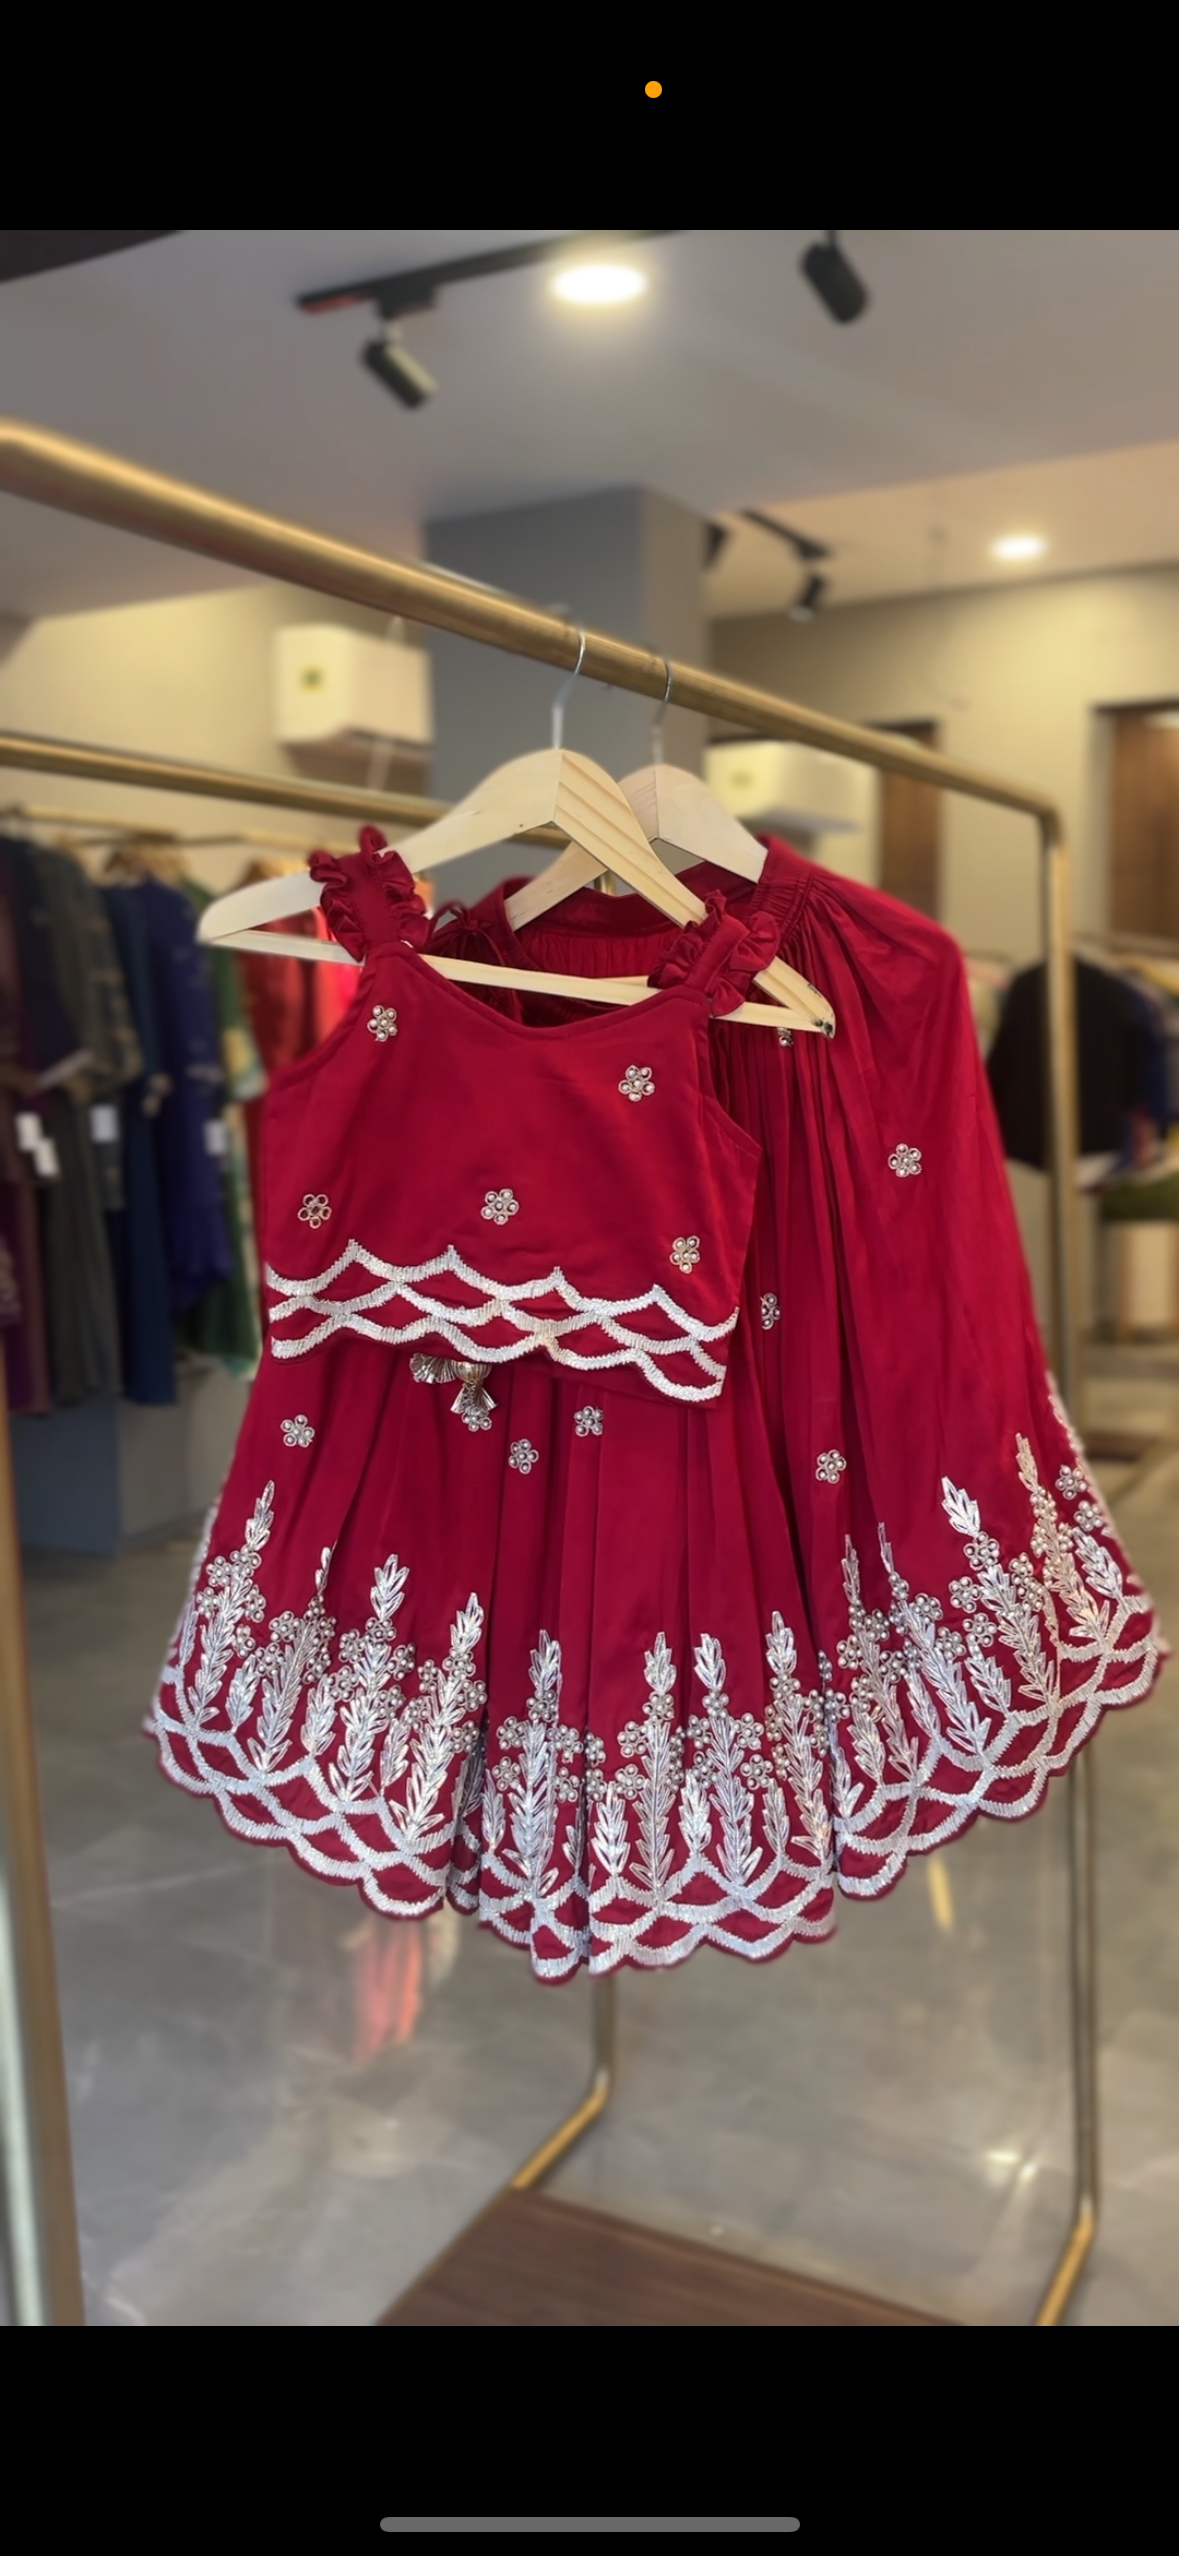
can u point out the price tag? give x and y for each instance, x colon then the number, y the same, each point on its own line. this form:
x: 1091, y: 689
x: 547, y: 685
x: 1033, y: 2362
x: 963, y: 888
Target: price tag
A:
x: 216, y: 1136
x: 45, y: 1158
x: 104, y: 1123
x: 29, y: 1130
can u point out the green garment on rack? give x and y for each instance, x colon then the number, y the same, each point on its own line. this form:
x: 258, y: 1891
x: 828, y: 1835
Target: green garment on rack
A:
x: 245, y: 1073
x: 1142, y: 1202
x: 224, y: 1324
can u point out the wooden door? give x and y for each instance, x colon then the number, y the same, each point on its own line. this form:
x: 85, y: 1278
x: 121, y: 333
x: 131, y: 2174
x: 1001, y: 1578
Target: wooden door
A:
x: 910, y: 829
x: 1144, y: 822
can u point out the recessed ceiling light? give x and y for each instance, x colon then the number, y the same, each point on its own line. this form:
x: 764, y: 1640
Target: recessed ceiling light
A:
x: 599, y: 284
x: 1019, y: 546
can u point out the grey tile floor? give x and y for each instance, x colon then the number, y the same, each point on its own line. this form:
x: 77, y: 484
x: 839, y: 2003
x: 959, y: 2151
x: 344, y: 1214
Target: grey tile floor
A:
x: 283, y: 2107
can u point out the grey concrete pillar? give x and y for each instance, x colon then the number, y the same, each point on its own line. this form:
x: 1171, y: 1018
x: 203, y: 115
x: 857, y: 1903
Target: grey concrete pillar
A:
x: 625, y: 560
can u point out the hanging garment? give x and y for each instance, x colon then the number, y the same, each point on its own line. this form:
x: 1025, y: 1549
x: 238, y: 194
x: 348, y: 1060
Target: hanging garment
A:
x: 224, y: 1324
x: 195, y: 1236
x: 912, y: 1422
x: 26, y: 1359
x: 81, y: 1315
x: 621, y: 1672
x: 87, y: 1122
x: 1117, y: 1068
x: 135, y: 1231
x: 489, y: 1501
x: 94, y: 992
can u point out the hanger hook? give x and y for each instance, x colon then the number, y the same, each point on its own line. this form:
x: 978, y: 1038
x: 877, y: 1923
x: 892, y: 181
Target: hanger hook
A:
x: 562, y: 695
x: 659, y: 716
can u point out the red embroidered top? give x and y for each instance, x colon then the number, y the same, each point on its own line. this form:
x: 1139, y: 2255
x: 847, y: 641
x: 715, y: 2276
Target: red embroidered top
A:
x: 488, y: 1191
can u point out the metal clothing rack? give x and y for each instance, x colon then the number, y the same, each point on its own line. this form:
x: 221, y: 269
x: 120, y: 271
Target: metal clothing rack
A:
x: 53, y: 470
x: 95, y: 830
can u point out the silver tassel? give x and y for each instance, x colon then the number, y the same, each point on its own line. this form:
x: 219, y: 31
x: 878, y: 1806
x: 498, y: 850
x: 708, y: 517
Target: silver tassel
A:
x: 473, y: 1404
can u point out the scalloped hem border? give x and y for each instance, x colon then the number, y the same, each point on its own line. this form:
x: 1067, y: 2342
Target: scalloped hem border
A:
x: 552, y: 1972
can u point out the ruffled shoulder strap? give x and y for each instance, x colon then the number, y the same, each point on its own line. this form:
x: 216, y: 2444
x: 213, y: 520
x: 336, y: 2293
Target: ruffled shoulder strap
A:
x: 369, y: 898
x: 721, y: 954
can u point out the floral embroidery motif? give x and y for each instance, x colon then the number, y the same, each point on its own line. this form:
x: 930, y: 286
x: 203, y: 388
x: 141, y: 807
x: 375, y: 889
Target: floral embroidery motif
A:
x: 906, y: 1162
x: 523, y: 1455
x: 830, y: 1466
x: 382, y: 1022
x: 685, y: 1251
x: 297, y: 1432
x: 588, y: 1421
x: 638, y: 1083
x: 770, y: 1312
x: 473, y: 1404
x: 727, y: 1824
x: 315, y: 1209
x: 498, y: 1205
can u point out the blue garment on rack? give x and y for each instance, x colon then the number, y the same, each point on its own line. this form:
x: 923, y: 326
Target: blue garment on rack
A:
x: 1156, y: 1082
x: 195, y: 1235
x: 136, y: 1230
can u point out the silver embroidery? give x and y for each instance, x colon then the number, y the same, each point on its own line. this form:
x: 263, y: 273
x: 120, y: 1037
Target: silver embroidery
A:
x: 314, y: 1210
x: 498, y: 1205
x: 297, y: 1432
x: 638, y: 1083
x: 473, y: 1403
x: 830, y: 1466
x: 523, y: 1455
x: 588, y: 1421
x: 770, y: 1312
x: 685, y: 1251
x: 457, y: 1323
x: 382, y: 1021
x: 727, y: 1824
x: 906, y: 1162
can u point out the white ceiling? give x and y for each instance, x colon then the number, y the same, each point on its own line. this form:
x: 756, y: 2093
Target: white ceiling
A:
x: 983, y: 352
x: 1093, y: 511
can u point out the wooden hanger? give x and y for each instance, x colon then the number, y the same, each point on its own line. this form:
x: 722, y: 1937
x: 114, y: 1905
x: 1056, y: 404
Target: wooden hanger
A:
x: 557, y: 788
x: 143, y: 856
x: 681, y: 823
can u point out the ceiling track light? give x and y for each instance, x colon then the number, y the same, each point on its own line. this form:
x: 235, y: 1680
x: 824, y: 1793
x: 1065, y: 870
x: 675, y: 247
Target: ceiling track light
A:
x: 417, y: 289
x: 807, y: 601
x: 807, y: 551
x: 391, y: 360
x: 834, y: 279
x: 802, y: 544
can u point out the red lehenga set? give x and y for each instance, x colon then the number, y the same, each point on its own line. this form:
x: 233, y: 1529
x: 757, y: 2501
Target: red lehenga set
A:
x: 652, y: 1511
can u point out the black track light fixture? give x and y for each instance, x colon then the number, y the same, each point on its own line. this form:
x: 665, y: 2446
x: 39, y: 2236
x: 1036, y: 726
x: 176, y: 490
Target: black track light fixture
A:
x: 394, y: 297
x: 391, y: 360
x: 806, y: 603
x: 810, y: 555
x: 804, y: 546
x: 834, y: 279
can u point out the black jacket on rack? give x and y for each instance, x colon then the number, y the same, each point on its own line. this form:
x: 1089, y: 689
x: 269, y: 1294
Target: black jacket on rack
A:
x: 1113, y: 1049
